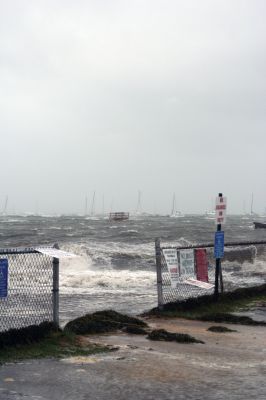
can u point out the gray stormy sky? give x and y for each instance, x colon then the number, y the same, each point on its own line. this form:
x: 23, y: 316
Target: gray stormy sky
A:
x: 118, y: 96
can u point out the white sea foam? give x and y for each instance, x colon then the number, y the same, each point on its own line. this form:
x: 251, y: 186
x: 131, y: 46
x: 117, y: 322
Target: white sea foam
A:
x: 108, y: 249
x: 81, y: 275
x: 91, y: 281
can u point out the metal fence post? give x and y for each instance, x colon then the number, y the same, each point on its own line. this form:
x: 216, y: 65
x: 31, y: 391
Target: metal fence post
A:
x: 159, y: 273
x: 217, y: 266
x: 56, y: 289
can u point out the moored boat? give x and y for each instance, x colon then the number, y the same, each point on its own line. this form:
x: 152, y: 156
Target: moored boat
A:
x: 174, y: 212
x: 259, y: 225
x: 118, y: 216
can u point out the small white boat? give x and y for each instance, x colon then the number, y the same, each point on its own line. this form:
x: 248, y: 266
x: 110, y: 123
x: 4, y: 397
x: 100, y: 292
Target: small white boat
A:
x: 209, y: 214
x: 177, y: 214
x: 174, y: 212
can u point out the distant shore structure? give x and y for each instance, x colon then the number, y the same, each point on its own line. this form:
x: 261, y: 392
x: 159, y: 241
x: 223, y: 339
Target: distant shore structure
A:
x: 118, y: 216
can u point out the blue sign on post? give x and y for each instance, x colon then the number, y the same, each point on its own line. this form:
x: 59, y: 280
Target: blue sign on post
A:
x: 219, y: 244
x: 3, y: 277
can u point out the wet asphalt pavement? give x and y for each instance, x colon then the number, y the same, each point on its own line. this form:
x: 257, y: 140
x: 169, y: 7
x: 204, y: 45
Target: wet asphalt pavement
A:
x: 228, y: 365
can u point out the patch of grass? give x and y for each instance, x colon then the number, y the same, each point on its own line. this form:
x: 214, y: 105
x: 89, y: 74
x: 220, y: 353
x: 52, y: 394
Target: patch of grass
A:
x: 208, y: 309
x: 45, y: 340
x: 55, y: 345
x: 163, y: 335
x: 26, y: 335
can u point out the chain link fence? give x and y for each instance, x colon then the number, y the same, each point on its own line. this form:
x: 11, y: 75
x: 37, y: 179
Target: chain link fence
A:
x: 235, y: 254
x: 31, y: 290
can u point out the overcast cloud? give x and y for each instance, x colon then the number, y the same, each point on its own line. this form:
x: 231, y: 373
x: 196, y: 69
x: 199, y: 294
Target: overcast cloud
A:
x: 116, y: 96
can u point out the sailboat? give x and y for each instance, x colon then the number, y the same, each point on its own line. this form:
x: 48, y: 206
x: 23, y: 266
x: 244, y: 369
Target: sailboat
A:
x: 245, y: 215
x: 174, y: 212
x: 93, y: 204
x: 257, y: 224
x: 210, y: 214
x: 252, y: 213
x: 4, y: 211
x: 91, y: 214
x: 139, y: 205
x: 139, y: 211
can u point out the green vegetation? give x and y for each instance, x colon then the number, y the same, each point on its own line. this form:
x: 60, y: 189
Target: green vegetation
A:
x: 163, y: 335
x: 46, y: 340
x: 102, y: 322
x: 27, y: 335
x: 55, y: 345
x: 206, y: 308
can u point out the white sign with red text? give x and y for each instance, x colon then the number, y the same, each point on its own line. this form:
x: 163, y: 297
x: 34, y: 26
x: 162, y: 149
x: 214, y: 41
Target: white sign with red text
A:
x: 220, y: 210
x: 170, y: 256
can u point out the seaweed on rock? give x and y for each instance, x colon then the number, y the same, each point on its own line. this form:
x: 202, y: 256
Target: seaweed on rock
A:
x: 102, y: 322
x: 220, y: 329
x: 232, y: 319
x: 163, y: 335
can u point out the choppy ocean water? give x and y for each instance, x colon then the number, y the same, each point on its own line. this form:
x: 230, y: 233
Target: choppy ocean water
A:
x: 115, y: 263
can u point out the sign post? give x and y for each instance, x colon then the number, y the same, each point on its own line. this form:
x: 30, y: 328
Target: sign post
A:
x: 159, y: 273
x: 220, y: 210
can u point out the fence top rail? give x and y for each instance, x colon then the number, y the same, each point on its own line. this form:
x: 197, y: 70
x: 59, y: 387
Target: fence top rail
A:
x: 20, y: 250
x: 210, y: 245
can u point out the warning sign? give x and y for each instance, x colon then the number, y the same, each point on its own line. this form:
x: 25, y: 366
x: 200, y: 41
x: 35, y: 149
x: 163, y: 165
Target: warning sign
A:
x: 3, y: 277
x: 220, y: 210
x: 186, y: 258
x: 170, y: 256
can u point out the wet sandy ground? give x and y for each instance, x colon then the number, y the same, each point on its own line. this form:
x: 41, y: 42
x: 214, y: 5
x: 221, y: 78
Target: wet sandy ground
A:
x: 228, y: 366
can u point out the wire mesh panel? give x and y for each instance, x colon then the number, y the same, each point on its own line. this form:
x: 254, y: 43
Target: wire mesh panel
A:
x: 243, y: 264
x: 29, y: 297
x: 182, y: 290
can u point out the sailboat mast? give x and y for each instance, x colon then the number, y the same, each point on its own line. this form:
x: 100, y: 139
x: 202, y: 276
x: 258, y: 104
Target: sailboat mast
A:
x: 173, y: 205
x: 86, y: 206
x: 103, y: 206
x: 251, y: 206
x: 5, y: 206
x: 139, y: 207
x: 92, y: 204
x: 244, y: 207
x: 36, y: 207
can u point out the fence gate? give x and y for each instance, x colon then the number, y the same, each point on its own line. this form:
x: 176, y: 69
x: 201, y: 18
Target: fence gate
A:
x: 32, y: 288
